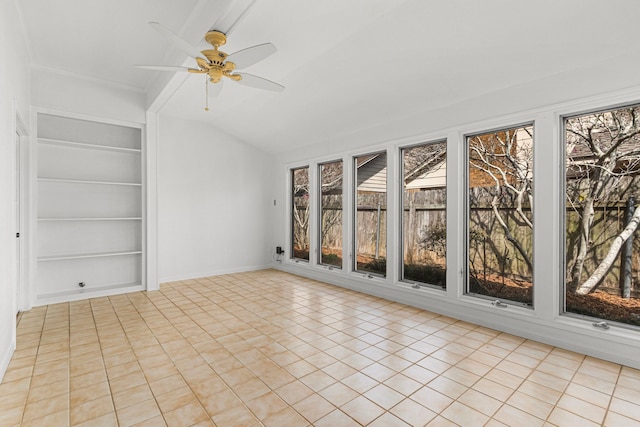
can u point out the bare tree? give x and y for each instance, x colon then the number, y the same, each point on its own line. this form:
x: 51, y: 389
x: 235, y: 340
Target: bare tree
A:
x: 420, y: 161
x: 331, y: 199
x: 300, y: 208
x: 603, y: 155
x: 505, y: 164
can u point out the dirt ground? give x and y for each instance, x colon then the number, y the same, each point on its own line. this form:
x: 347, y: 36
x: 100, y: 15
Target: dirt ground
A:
x: 598, y: 304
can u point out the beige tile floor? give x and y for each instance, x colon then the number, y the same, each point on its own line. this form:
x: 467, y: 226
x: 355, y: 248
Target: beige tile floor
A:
x: 268, y: 348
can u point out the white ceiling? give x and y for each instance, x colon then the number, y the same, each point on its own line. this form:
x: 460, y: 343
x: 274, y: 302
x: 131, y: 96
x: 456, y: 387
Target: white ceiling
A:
x: 346, y: 64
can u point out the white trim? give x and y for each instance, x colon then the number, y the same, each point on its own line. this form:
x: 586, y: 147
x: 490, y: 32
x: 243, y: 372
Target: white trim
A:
x: 75, y: 295
x: 348, y: 203
x: 87, y: 117
x: 63, y: 143
x: 313, y: 215
x: 456, y: 215
x: 398, y: 203
x: 6, y: 359
x: 464, y: 143
x: 150, y: 143
x: 318, y: 196
x: 115, y: 85
x: 32, y: 183
x: 547, y: 256
x: 392, y: 220
x: 23, y: 303
x: 213, y: 273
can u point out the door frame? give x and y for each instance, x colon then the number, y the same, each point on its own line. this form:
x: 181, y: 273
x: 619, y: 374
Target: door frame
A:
x: 21, y: 177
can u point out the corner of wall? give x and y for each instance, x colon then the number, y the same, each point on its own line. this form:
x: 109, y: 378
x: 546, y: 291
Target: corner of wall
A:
x: 5, y: 359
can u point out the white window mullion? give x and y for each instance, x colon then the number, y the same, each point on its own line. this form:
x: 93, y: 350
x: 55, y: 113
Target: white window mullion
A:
x: 547, y: 193
x: 456, y: 214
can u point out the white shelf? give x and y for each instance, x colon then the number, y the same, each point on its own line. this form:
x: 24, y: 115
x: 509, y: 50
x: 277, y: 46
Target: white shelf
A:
x: 82, y: 293
x: 87, y: 146
x: 90, y: 208
x: 88, y: 255
x: 92, y: 219
x: 78, y: 181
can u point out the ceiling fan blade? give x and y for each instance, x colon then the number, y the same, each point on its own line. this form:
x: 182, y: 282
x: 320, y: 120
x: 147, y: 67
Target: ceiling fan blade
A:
x: 259, y: 82
x: 163, y: 68
x: 183, y: 45
x: 251, y: 55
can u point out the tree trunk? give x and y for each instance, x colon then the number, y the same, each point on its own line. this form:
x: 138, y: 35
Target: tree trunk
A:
x: 583, y: 243
x: 604, y: 267
x: 301, y: 221
x: 626, y: 260
x: 596, y: 187
x: 508, y: 235
x: 410, y: 230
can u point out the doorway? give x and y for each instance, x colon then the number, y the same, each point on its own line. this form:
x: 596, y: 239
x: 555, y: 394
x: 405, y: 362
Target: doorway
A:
x: 20, y: 220
x: 17, y: 200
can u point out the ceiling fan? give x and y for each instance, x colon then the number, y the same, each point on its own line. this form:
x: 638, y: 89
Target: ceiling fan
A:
x: 217, y: 65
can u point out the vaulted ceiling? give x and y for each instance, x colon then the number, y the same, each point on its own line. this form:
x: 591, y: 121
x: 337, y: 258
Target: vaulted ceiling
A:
x: 346, y: 64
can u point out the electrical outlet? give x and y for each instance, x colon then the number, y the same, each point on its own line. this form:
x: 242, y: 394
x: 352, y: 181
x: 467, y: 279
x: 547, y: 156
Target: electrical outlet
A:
x: 279, y: 250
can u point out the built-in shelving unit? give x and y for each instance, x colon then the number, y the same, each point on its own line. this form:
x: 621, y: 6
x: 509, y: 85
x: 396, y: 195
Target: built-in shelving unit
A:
x: 90, y: 208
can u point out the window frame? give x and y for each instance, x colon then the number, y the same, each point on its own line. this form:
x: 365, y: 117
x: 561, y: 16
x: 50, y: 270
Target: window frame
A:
x: 401, y: 235
x: 498, y: 302
x: 354, y: 214
x: 292, y: 171
x: 562, y: 235
x: 320, y: 211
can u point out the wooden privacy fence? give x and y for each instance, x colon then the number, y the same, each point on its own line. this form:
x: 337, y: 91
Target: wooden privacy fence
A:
x: 489, y: 250
x: 371, y: 222
x: 608, y: 222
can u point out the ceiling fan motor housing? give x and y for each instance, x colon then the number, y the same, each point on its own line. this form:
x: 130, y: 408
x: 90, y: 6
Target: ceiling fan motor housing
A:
x: 217, y: 67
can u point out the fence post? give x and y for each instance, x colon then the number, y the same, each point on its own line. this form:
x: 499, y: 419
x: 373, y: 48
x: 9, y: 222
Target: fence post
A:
x: 627, y: 253
x: 378, y: 234
x: 409, y: 237
x: 484, y: 259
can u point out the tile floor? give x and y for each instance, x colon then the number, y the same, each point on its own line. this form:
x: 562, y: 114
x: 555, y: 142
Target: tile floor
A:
x: 268, y: 348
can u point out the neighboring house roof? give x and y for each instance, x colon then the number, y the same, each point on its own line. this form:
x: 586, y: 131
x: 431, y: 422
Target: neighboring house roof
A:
x: 433, y: 177
x: 581, y: 155
x: 581, y: 151
x: 430, y: 172
x: 372, y: 173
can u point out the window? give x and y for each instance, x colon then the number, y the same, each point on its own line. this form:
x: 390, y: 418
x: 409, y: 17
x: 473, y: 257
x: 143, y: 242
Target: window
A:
x: 370, y: 230
x: 424, y: 231
x: 602, y: 182
x: 500, y: 221
x: 331, y: 214
x: 300, y: 213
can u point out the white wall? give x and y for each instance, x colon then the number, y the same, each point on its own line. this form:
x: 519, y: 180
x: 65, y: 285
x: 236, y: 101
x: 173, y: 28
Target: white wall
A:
x: 14, y: 90
x: 214, y: 205
x: 68, y: 93
x: 587, y: 91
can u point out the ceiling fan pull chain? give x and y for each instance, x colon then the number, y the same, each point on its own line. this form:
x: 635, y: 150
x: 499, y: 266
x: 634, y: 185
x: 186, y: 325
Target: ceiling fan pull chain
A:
x: 206, y: 93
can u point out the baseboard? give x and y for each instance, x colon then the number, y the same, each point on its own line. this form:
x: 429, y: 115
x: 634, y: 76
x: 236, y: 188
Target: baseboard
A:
x: 6, y: 358
x: 217, y: 272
